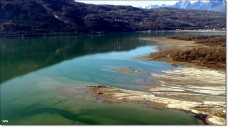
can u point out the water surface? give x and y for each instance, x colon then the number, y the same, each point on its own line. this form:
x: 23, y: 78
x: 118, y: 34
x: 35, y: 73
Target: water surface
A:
x: 44, y: 79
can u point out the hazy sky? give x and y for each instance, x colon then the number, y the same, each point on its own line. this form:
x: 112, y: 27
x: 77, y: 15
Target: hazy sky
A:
x: 135, y: 3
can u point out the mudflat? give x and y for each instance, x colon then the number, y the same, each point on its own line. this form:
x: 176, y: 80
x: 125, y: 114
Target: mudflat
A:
x: 194, y: 88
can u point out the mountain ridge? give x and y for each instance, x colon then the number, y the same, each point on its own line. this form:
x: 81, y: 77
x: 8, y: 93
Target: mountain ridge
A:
x: 53, y: 17
x: 211, y: 5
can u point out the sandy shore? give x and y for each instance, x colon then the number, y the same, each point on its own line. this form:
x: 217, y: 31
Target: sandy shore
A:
x: 193, y: 89
x: 177, y: 91
x: 200, y: 91
x: 167, y: 46
x: 127, y: 70
x: 171, y: 42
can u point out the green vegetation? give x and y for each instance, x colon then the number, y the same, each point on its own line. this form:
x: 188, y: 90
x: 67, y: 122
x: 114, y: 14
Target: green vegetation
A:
x: 23, y: 55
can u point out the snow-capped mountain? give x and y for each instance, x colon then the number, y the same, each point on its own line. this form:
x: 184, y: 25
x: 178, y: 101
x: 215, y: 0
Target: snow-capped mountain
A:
x: 156, y: 6
x: 197, y: 5
x: 184, y: 4
x: 211, y: 5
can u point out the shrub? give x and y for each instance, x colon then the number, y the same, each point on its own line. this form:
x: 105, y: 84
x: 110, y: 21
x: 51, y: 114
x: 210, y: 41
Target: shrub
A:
x: 215, y: 40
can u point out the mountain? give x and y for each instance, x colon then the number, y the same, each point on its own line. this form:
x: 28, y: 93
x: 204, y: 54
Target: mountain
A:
x: 197, y: 5
x: 50, y: 17
x: 183, y: 4
x: 156, y: 6
x: 211, y: 5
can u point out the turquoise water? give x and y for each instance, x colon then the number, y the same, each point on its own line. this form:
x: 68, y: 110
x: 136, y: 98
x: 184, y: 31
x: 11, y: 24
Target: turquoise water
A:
x: 44, y: 79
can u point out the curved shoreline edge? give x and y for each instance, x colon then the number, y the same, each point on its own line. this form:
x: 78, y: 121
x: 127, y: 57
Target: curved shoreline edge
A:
x: 194, y: 89
x: 172, y: 48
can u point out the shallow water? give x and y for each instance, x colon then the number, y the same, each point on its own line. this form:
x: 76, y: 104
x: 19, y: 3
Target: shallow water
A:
x: 44, y: 79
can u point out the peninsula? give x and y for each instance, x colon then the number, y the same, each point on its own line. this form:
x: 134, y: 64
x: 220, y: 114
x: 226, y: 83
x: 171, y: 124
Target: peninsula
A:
x: 200, y: 87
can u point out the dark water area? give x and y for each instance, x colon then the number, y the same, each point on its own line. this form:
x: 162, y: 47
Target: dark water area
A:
x: 43, y: 79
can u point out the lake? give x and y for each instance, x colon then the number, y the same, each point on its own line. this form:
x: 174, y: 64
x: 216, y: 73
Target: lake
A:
x: 44, y: 79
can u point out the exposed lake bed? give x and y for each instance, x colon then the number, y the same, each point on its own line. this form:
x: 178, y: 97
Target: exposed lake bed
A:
x: 189, y: 89
x: 60, y: 91
x: 195, y: 89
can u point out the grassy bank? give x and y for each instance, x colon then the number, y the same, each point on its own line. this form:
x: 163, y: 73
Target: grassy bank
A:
x: 192, y: 50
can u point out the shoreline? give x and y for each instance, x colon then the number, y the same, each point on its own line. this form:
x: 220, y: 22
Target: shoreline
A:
x: 117, y: 95
x: 194, y: 89
x: 165, y: 49
x: 197, y: 30
x: 7, y: 35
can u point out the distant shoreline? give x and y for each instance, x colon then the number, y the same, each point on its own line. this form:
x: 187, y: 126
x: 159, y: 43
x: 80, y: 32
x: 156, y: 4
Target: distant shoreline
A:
x: 197, y: 30
x: 95, y: 33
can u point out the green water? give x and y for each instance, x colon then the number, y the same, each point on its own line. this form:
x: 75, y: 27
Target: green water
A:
x: 44, y: 79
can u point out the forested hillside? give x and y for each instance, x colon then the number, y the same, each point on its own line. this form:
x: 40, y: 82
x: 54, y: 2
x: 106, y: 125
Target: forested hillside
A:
x: 47, y: 17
